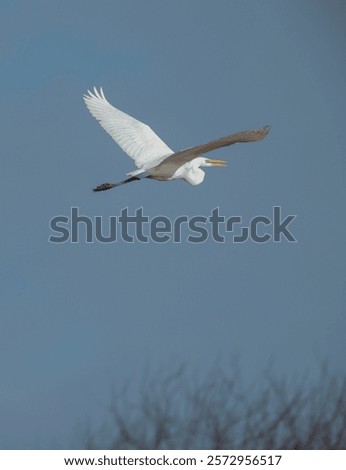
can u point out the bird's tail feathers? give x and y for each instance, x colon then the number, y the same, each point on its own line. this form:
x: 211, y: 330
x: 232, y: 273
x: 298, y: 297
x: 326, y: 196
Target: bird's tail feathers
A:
x: 137, y: 172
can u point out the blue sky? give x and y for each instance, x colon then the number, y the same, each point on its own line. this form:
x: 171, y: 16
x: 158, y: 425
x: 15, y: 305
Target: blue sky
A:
x: 77, y: 319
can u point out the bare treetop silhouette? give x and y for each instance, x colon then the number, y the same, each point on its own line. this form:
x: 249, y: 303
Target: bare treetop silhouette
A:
x: 174, y: 412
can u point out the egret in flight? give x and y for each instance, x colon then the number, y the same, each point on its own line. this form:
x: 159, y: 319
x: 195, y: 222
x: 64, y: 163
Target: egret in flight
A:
x: 153, y: 158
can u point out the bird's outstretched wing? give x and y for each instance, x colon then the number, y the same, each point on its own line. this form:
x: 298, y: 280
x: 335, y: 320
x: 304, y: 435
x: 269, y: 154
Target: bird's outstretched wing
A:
x: 183, y: 156
x: 134, y: 137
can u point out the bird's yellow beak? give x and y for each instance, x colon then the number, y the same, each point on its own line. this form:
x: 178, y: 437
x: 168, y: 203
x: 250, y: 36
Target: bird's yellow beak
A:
x: 216, y: 162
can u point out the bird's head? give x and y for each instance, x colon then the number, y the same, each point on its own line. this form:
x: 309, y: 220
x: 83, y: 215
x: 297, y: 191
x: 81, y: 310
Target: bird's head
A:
x: 192, y: 172
x: 201, y: 161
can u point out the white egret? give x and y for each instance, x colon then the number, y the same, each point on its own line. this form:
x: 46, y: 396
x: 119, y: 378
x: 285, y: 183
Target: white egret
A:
x: 153, y: 158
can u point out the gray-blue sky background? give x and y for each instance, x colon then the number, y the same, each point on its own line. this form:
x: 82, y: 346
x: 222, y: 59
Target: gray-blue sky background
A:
x: 77, y: 318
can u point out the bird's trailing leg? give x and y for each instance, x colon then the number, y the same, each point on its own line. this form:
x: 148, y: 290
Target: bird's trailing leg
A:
x: 105, y: 186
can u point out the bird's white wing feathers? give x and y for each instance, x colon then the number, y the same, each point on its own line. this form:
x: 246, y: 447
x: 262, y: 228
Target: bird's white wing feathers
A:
x: 135, y: 138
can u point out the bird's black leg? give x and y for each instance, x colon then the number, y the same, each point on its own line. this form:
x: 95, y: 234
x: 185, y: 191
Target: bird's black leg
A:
x: 105, y: 186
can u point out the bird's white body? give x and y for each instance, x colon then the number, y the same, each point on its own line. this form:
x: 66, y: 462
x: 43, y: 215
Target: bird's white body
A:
x: 153, y: 158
